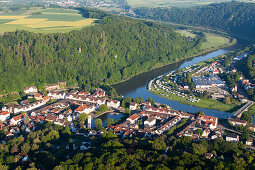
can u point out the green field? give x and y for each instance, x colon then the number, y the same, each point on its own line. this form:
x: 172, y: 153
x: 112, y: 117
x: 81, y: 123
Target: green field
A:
x: 45, y: 21
x: 174, y: 3
x: 213, y: 41
x: 203, y: 103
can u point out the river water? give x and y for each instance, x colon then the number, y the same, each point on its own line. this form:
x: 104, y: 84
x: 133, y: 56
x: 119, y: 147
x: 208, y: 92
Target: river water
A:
x: 136, y: 86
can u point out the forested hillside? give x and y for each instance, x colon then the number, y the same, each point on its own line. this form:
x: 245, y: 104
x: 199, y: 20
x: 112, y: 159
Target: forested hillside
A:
x: 236, y: 18
x: 115, y: 49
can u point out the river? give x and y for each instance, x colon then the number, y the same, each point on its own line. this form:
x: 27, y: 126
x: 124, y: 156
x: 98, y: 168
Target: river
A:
x: 136, y: 86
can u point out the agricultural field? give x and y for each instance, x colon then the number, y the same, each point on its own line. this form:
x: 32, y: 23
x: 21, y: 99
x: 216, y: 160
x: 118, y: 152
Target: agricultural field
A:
x: 173, y: 3
x: 43, y: 20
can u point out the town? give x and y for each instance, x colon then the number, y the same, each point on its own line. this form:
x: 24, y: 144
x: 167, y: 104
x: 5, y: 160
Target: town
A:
x: 143, y: 119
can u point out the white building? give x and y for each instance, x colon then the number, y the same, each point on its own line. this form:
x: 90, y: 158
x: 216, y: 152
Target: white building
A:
x: 31, y: 89
x: 113, y: 103
x: 150, y: 121
x: 133, y: 106
x: 4, y: 115
x: 232, y: 138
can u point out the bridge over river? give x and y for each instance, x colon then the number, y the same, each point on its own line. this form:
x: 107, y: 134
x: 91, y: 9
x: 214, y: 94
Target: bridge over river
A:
x: 239, y: 112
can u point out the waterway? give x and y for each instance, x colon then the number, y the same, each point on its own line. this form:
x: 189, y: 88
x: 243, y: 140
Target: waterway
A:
x: 105, y: 117
x: 136, y: 86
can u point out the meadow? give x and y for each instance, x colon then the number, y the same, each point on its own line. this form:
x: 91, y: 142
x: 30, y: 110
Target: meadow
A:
x: 43, y: 20
x: 213, y: 41
x: 173, y: 3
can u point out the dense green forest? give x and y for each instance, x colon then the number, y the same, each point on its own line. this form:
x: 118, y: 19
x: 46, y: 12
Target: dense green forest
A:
x: 114, y: 49
x: 236, y: 18
x: 47, y: 148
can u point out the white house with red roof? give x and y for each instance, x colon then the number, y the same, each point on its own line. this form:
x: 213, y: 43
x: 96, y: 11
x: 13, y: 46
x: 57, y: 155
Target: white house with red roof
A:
x: 212, y: 122
x: 17, y: 119
x: 113, y: 103
x: 133, y: 118
x: 237, y: 122
x: 84, y: 93
x: 4, y: 115
x: 85, y: 109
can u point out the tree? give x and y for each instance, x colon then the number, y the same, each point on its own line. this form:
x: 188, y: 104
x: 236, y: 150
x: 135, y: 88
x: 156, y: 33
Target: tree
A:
x: 245, y: 133
x: 151, y: 101
x: 227, y: 100
x: 200, y: 113
x: 82, y: 118
x: 25, y: 148
x: 199, y: 149
x: 26, y: 119
x: 98, y: 124
x: 127, y: 111
x: 103, y: 108
x: 109, y: 122
x: 66, y: 131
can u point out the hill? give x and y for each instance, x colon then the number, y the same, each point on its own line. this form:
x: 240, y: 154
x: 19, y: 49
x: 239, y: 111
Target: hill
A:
x: 114, y: 49
x: 236, y: 18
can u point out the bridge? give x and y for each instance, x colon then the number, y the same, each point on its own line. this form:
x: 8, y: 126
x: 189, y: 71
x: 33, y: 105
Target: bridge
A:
x: 239, y: 112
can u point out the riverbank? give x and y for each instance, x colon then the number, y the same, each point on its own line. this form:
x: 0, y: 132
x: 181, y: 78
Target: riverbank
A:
x: 203, y: 103
x: 232, y: 42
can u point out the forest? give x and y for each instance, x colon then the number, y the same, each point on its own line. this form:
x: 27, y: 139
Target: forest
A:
x: 114, y: 49
x: 51, y: 147
x: 236, y: 18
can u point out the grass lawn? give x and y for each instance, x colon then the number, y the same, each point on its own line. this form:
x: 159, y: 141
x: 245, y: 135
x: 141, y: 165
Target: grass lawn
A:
x: 214, y: 41
x: 203, y: 103
x: 48, y: 21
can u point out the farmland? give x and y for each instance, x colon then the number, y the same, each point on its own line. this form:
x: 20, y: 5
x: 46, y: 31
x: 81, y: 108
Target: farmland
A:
x: 43, y: 20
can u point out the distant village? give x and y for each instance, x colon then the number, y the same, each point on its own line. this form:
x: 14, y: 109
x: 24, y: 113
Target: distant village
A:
x: 146, y: 120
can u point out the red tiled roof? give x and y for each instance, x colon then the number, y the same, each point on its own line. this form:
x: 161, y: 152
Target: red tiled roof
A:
x: 37, y: 95
x: 46, y: 98
x: 134, y: 116
x: 81, y: 108
x: 4, y: 112
x: 19, y: 116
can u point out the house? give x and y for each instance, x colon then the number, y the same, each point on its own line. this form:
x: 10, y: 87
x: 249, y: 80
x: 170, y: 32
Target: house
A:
x: 212, y: 122
x: 52, y: 87
x: 51, y: 118
x: 251, y: 126
x: 206, y: 132
x: 55, y: 95
x: 133, y: 106
x: 31, y: 89
x: 46, y: 99
x: 85, y: 109
x: 249, y: 142
x: 150, y: 121
x: 84, y: 93
x: 133, y: 118
x: 231, y: 137
x: 113, y: 103
x: 17, y: 119
x: 4, y: 115
x: 237, y: 122
x: 99, y: 93
x: 24, y: 102
x: 38, y: 96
